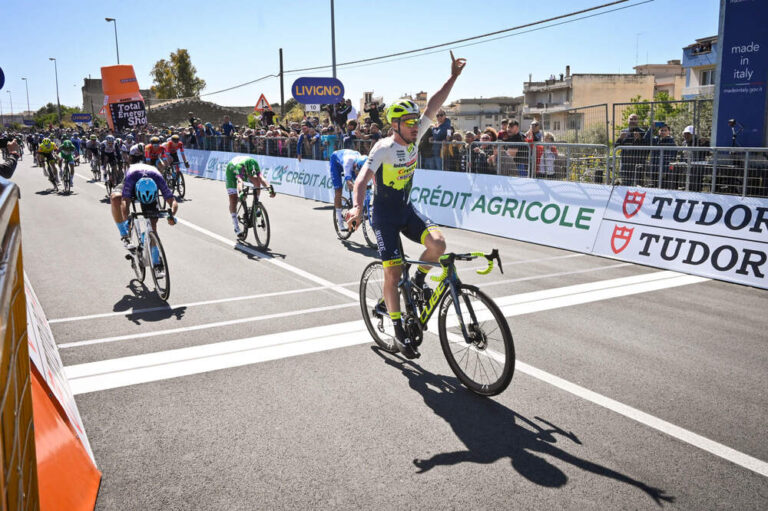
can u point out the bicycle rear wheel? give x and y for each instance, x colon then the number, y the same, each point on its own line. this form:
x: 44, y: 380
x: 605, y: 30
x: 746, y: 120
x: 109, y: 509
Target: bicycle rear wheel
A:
x: 370, y: 237
x: 242, y: 219
x: 180, y: 184
x: 374, y: 312
x: 345, y: 206
x: 484, y: 361
x: 160, y: 274
x: 260, y: 222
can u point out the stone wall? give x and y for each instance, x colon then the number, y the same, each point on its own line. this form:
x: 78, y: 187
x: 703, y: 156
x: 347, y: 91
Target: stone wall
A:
x: 176, y: 112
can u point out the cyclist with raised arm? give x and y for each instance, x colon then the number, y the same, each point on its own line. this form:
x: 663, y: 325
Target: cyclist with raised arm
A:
x: 344, y: 164
x: 392, y: 163
x: 142, y: 182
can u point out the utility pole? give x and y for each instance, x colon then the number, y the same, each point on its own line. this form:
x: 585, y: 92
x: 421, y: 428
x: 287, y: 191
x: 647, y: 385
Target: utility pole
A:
x: 282, y: 90
x: 117, y: 48
x: 58, y: 103
x: 27, y: 87
x: 333, y: 40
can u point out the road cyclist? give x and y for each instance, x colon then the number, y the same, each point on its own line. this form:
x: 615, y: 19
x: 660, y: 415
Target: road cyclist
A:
x: 154, y: 153
x: 240, y: 169
x: 47, y: 151
x: 67, y: 152
x: 344, y: 165
x: 392, y: 162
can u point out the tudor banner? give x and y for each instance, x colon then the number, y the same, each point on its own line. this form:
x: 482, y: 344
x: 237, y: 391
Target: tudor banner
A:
x: 718, y: 236
x: 123, y: 102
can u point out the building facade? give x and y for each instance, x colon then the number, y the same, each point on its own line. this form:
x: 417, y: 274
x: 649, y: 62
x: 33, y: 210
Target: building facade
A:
x: 699, y: 62
x: 669, y: 77
x: 468, y: 114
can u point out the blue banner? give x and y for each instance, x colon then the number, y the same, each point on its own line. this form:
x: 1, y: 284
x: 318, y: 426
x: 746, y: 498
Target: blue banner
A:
x: 81, y: 117
x: 29, y: 122
x: 2, y: 78
x: 740, y: 102
x: 311, y: 91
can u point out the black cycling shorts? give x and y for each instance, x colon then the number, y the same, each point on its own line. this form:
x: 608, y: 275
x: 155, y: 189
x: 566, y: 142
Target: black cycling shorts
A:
x: 388, y: 227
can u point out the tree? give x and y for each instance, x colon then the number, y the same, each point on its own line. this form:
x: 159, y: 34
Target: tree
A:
x: 177, y: 77
x: 49, y: 115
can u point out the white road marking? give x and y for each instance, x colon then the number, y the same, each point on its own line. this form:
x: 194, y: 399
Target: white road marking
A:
x: 270, y: 259
x: 149, y: 367
x: 204, y: 326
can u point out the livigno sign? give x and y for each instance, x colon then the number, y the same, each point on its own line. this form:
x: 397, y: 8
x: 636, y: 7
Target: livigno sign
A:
x: 310, y: 91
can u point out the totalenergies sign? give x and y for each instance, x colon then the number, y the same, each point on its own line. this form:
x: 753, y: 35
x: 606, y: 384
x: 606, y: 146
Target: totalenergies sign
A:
x: 122, y: 100
x: 312, y: 91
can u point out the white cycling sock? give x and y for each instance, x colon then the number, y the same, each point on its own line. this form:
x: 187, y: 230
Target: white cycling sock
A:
x: 234, y: 218
x: 338, y: 216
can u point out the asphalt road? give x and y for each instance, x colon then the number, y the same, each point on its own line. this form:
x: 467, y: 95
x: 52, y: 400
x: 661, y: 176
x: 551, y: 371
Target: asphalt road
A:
x: 256, y: 387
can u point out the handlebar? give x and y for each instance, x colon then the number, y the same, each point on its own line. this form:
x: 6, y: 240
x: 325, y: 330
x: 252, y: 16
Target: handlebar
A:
x: 447, y: 260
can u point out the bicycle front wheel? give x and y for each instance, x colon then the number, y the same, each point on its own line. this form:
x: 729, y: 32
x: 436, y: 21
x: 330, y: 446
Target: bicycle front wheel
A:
x: 370, y: 237
x: 374, y: 311
x: 159, y: 266
x: 242, y: 219
x: 137, y: 259
x: 260, y: 222
x: 181, y: 186
x: 484, y: 359
x: 66, y: 178
x: 345, y: 206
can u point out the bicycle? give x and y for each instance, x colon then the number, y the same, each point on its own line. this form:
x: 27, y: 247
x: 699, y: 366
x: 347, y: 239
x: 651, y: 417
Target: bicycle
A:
x: 145, y: 241
x: 468, y: 321
x: 346, y: 205
x: 67, y: 171
x: 114, y: 177
x: 175, y: 179
x: 50, y: 170
x: 94, y: 167
x: 254, y: 216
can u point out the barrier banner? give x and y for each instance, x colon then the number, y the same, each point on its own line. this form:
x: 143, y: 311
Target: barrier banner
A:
x: 556, y: 213
x: 45, y: 356
x: 718, y: 236
x: 123, y: 103
x: 307, y: 178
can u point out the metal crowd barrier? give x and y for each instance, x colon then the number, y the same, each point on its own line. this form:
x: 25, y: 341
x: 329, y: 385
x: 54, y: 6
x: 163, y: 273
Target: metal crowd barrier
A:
x: 726, y: 170
x: 18, y: 480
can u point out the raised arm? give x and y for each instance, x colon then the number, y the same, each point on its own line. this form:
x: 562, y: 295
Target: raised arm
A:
x: 437, y: 100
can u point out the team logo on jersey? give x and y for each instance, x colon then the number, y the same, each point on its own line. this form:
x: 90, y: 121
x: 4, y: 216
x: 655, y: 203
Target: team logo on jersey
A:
x: 621, y: 234
x: 632, y: 199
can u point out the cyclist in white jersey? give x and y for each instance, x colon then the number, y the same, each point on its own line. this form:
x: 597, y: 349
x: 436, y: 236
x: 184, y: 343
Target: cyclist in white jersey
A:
x: 392, y: 162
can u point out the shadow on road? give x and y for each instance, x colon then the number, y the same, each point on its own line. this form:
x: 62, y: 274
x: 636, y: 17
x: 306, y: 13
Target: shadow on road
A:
x: 491, y: 431
x: 146, y: 305
x: 360, y: 248
x: 241, y: 245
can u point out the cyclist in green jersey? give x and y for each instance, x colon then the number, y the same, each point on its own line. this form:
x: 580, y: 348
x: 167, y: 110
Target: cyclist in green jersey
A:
x: 67, y: 155
x: 238, y: 170
x: 392, y: 162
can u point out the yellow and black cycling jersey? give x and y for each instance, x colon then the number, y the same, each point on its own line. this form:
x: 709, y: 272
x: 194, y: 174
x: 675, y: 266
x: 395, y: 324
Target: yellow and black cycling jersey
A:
x: 393, y: 165
x: 48, y: 148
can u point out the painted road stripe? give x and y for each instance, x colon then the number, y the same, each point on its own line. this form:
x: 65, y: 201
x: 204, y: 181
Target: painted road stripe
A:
x: 268, y: 258
x: 205, y: 326
x: 511, y: 305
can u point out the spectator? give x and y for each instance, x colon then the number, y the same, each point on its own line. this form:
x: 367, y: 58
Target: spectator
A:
x: 374, y: 110
x: 661, y: 163
x: 350, y: 140
x: 7, y: 168
x: 342, y: 111
x: 503, y: 134
x: 491, y: 133
x: 519, y: 152
x: 633, y: 160
x: 483, y: 157
x: 691, y: 139
x: 451, y: 153
x: 267, y: 117
x: 329, y: 141
x: 352, y: 111
x: 534, y: 133
x: 425, y: 149
x: 440, y: 133
x: 375, y: 133
x: 227, y: 128
x: 545, y: 158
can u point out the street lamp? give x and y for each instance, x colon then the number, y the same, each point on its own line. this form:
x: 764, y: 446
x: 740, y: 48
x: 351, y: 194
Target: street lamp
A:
x: 10, y: 98
x: 26, y: 85
x: 117, y: 49
x: 56, y: 69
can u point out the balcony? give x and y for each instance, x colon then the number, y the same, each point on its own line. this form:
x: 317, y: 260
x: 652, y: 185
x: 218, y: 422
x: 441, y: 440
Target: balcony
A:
x: 541, y: 108
x: 546, y: 86
x: 701, y: 90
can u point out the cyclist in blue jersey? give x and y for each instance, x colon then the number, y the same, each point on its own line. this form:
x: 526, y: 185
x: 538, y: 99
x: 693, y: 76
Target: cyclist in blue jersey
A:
x: 344, y: 162
x: 392, y: 163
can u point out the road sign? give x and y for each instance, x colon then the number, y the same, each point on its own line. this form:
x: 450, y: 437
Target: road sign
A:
x: 312, y: 108
x: 262, y: 104
x: 81, y: 117
x: 29, y: 122
x: 321, y: 90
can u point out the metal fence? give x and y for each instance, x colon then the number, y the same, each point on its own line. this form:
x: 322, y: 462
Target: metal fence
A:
x: 737, y: 171
x: 676, y: 114
x: 582, y: 125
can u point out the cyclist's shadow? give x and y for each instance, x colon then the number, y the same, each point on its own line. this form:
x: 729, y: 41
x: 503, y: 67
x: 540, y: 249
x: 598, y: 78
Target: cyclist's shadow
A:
x: 491, y: 432
x: 146, y: 303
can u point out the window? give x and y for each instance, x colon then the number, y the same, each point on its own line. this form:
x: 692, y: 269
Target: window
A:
x: 545, y: 124
x: 368, y: 96
x: 556, y: 125
x: 707, y: 77
x: 575, y: 121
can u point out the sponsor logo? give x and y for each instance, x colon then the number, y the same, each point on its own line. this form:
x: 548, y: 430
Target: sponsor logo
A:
x: 621, y: 235
x: 276, y: 176
x: 127, y: 80
x: 633, y: 201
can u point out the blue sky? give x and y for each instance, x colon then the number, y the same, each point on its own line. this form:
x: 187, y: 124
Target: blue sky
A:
x: 232, y: 42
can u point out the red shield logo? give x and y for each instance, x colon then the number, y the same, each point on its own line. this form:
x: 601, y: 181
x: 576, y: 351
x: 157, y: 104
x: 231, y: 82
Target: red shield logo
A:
x: 621, y: 235
x: 634, y: 201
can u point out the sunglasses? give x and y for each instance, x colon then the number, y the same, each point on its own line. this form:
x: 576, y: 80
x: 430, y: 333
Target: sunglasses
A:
x: 411, y: 122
